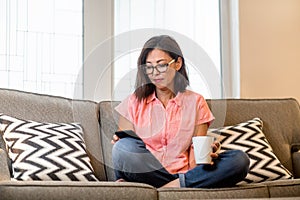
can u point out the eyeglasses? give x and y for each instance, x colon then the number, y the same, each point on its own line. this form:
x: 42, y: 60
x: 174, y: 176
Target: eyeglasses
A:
x: 161, y: 68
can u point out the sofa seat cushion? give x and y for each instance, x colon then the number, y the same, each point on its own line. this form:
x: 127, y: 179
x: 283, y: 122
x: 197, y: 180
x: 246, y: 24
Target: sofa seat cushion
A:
x: 46, y: 151
x: 283, y: 188
x: 250, y: 191
x: 59, y: 190
x: 249, y: 137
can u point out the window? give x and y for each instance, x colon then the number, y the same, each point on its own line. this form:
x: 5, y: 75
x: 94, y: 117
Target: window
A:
x: 195, y: 24
x: 41, y: 46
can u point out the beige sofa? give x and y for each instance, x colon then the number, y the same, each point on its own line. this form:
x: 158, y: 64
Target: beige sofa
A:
x: 281, y: 119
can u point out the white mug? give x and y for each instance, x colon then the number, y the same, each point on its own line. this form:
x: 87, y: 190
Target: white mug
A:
x: 203, y: 149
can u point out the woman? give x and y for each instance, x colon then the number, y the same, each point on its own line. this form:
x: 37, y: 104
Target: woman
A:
x: 165, y: 115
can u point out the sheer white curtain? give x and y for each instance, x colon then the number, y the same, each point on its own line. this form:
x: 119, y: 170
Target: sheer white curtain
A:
x: 41, y: 46
x: 195, y: 24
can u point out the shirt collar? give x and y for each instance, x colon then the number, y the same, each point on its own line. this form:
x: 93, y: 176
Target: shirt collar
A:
x: 177, y: 99
x: 151, y: 97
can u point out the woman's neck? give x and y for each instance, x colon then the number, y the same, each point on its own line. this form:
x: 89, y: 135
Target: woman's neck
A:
x: 164, y: 96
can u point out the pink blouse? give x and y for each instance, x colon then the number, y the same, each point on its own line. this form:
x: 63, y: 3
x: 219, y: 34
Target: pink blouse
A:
x: 167, y: 132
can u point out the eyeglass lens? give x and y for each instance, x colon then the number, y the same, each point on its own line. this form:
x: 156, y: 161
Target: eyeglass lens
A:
x: 160, y: 67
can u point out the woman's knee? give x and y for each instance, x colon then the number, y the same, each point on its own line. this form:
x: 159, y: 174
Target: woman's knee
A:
x: 242, y: 160
x: 236, y: 158
x: 242, y: 156
x: 126, y: 147
x: 122, y: 151
x: 131, y: 155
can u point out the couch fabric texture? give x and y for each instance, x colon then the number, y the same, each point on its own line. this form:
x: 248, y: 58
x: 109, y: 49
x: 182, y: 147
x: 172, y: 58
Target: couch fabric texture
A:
x: 281, y: 127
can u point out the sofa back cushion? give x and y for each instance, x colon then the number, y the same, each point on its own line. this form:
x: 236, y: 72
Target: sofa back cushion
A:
x: 281, y: 119
x: 45, y: 108
x: 108, y: 126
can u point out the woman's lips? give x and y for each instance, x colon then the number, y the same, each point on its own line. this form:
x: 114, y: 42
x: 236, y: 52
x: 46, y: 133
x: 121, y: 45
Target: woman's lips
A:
x: 159, y: 80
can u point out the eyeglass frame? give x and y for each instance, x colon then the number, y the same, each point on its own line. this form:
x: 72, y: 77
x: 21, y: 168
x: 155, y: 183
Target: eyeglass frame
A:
x: 162, y: 65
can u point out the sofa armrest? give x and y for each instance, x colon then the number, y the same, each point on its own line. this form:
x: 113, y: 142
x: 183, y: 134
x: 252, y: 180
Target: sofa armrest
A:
x: 296, y: 160
x: 4, y: 169
x: 296, y: 164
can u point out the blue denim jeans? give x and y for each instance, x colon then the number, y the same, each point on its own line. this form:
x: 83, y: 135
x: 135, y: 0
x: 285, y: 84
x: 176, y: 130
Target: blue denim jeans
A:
x: 134, y: 163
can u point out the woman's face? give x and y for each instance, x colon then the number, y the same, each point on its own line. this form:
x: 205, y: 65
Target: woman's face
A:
x: 162, y: 80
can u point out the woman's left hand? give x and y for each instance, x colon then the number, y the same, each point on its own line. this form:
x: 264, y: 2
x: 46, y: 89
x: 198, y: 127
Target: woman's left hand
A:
x: 215, y: 146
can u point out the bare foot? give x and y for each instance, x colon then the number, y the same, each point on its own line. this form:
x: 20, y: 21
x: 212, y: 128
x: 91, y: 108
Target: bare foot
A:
x: 173, y: 184
x: 120, y: 180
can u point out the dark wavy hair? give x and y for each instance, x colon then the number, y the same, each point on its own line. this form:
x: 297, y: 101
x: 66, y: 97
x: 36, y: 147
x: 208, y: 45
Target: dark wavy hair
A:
x: 143, y: 85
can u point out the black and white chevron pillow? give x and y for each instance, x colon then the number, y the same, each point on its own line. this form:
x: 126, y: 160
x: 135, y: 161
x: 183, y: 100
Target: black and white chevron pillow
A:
x: 46, y: 151
x: 248, y: 137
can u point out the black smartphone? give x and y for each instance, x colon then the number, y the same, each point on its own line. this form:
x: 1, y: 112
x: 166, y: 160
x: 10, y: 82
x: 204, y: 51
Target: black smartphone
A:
x: 127, y: 133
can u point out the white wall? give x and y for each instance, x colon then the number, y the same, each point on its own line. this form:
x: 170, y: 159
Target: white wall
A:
x: 270, y: 48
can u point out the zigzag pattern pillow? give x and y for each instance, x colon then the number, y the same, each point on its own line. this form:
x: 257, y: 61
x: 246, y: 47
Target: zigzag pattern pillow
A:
x: 46, y: 151
x: 248, y: 137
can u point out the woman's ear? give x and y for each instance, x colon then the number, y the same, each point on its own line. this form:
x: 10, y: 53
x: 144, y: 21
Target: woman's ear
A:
x: 178, y: 64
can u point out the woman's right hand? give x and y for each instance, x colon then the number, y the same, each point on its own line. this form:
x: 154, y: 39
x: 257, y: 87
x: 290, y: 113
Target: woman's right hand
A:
x: 114, y: 139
